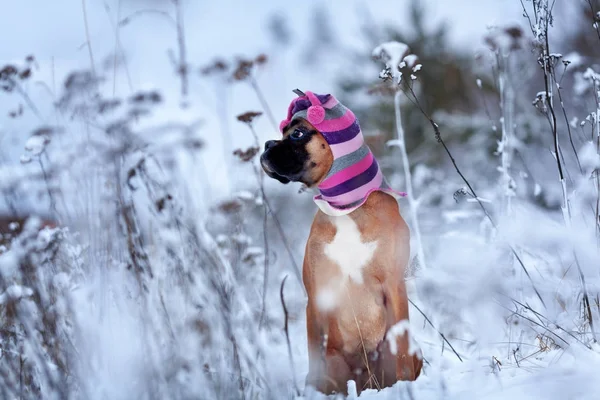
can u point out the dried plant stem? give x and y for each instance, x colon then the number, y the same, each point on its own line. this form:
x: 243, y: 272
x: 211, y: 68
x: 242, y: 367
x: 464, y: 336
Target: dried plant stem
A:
x: 263, y: 102
x: 543, y: 14
x: 87, y: 38
x: 433, y: 326
x: 116, y: 49
x: 596, y: 27
x: 27, y: 99
x: 183, y: 67
x: 507, y: 106
x: 440, y: 140
x: 48, y: 187
x: 562, y: 106
x: 260, y: 180
x: 238, y: 367
x: 596, y: 128
x: 286, y: 244
x: 408, y: 178
x: 278, y: 226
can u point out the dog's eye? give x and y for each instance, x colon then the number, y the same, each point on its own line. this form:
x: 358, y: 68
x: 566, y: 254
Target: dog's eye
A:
x: 297, y: 134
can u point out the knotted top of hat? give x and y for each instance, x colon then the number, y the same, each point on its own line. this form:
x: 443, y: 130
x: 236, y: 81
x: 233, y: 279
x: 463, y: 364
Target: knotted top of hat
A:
x: 354, y: 173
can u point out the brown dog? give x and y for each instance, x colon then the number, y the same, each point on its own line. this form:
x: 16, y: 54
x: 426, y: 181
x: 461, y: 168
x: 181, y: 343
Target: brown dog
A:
x: 353, y: 272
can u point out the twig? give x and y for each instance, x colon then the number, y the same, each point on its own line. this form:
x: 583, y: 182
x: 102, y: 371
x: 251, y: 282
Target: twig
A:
x: 48, y: 186
x: 526, y: 15
x: 260, y: 180
x: 118, y: 47
x: 507, y: 106
x: 27, y: 99
x: 87, y: 38
x: 586, y: 299
x: 438, y: 136
x: 183, y: 67
x: 526, y: 306
x: 139, y: 13
x: 562, y: 106
x: 287, y: 334
x: 263, y: 102
x: 593, y: 18
x: 238, y: 366
x: 408, y: 179
x: 440, y: 333
x: 536, y: 323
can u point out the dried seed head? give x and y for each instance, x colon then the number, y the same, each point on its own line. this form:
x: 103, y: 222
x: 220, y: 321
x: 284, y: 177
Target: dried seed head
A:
x: 8, y: 71
x: 215, y: 67
x: 261, y: 59
x: 246, y: 155
x: 151, y: 97
x: 25, y: 74
x: 514, y: 31
x: 243, y: 70
x: 249, y: 116
x: 230, y: 206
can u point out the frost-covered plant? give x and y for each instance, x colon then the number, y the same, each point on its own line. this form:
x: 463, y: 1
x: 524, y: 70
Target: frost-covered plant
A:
x: 516, y: 287
x: 150, y: 299
x: 399, y: 62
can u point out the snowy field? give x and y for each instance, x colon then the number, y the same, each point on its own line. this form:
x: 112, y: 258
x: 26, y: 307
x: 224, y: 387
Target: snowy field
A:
x: 170, y: 264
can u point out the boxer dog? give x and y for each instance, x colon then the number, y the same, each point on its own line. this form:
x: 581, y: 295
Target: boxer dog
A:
x: 357, y: 251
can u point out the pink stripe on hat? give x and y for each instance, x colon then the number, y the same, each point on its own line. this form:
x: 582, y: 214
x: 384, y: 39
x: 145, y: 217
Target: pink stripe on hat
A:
x: 348, y: 173
x: 345, y: 181
x: 338, y: 124
x: 341, y: 149
x: 332, y: 102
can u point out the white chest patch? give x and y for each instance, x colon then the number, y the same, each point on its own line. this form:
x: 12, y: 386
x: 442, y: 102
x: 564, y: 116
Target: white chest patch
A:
x: 347, y: 249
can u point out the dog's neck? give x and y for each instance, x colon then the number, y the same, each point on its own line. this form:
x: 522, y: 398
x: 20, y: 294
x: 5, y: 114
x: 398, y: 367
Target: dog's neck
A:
x: 350, y: 181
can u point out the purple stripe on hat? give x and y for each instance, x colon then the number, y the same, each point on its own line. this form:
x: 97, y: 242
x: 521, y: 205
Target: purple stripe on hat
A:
x: 343, y: 135
x: 353, y: 183
x: 303, y: 103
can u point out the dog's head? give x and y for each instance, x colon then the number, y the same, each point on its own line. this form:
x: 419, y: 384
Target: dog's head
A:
x: 302, y: 155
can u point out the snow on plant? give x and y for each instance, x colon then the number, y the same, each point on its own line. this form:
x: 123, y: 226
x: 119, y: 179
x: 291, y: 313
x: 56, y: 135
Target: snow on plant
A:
x: 398, y: 61
x: 502, y: 42
x: 520, y: 290
x: 145, y: 300
x: 147, y: 289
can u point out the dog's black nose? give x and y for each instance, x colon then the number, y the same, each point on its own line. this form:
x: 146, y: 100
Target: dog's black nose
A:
x: 270, y: 143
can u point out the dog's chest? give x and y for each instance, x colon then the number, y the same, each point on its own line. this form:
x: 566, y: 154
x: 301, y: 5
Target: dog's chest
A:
x: 348, y: 250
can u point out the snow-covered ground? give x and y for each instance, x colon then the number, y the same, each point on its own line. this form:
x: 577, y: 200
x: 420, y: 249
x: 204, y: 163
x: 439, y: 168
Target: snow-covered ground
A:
x: 155, y: 289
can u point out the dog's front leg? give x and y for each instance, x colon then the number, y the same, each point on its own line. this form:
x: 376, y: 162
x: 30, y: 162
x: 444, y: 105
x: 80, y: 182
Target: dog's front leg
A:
x: 316, y: 337
x: 328, y: 371
x: 407, y: 366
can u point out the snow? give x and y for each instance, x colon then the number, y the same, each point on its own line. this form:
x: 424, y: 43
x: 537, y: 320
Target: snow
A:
x: 14, y: 293
x: 37, y: 144
x: 173, y: 323
x: 396, y: 57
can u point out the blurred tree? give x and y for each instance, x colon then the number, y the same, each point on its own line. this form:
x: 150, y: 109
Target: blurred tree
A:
x: 446, y: 84
x: 279, y: 30
x: 584, y: 35
x: 322, y: 39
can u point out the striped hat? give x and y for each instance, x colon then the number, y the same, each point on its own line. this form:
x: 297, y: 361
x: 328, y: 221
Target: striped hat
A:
x: 354, y: 174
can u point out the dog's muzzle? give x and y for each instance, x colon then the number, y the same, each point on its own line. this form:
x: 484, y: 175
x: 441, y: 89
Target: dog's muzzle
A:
x: 266, y: 164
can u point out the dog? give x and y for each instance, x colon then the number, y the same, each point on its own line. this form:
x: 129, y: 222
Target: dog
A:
x: 357, y: 251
